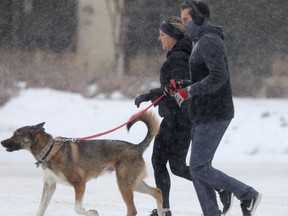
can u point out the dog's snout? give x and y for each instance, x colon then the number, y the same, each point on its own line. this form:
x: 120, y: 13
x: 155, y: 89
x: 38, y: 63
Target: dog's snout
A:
x: 10, y: 145
x: 3, y: 142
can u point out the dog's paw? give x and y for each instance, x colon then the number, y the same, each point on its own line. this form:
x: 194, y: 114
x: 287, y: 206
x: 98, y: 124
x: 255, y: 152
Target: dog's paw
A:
x: 93, y: 212
x: 82, y: 211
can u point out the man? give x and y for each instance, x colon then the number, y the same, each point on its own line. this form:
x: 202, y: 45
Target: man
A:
x: 211, y: 111
x: 226, y: 197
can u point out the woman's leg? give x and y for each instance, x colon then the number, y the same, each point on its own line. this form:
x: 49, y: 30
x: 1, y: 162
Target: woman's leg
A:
x: 179, y: 143
x: 159, y: 163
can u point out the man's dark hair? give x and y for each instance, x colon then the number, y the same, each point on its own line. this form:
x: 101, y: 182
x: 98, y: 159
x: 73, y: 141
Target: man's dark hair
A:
x: 196, y: 8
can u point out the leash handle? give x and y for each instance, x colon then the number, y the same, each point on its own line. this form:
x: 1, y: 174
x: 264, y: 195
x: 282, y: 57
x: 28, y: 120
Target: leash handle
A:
x: 132, y: 119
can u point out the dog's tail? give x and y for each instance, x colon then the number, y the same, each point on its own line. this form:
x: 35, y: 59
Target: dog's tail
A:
x: 152, y: 125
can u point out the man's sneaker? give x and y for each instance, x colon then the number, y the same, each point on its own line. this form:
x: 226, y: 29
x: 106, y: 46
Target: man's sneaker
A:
x: 226, y: 199
x: 249, y: 206
x: 155, y: 213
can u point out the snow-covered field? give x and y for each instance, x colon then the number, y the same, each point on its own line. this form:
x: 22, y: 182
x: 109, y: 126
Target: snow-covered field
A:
x: 254, y: 150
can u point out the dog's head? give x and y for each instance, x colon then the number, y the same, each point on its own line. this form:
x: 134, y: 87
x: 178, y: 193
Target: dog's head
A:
x: 22, y: 138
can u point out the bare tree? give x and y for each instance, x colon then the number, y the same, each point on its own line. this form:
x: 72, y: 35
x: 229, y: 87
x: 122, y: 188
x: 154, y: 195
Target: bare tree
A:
x: 115, y: 10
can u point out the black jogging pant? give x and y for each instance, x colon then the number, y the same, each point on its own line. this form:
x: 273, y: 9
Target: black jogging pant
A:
x: 170, y: 145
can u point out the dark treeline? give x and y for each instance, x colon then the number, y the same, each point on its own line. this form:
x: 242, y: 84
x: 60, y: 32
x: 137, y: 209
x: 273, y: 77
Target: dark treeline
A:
x: 255, y: 32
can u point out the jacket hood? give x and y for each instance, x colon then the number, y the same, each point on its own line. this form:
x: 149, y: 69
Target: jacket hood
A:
x: 212, y: 29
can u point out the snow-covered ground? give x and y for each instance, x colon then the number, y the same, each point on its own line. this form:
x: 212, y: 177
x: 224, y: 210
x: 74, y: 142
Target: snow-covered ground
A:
x: 254, y: 150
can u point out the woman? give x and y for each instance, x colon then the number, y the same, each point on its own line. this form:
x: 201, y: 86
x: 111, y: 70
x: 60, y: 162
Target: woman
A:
x: 173, y: 140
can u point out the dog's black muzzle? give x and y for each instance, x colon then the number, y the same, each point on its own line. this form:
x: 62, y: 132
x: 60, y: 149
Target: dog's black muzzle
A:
x: 10, y: 145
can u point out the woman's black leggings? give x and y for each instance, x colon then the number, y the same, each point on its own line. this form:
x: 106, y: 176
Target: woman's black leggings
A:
x: 171, y: 145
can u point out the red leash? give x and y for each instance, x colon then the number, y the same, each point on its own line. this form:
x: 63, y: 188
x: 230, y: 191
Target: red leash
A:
x: 132, y: 119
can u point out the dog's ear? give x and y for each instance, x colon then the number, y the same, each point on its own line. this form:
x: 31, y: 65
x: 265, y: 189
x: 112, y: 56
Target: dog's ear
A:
x: 39, y: 127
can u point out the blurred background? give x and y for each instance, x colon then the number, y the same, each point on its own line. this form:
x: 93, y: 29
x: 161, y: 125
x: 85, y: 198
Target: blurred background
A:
x: 103, y: 46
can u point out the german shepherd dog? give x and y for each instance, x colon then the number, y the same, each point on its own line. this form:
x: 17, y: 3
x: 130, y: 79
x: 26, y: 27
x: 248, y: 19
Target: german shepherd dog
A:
x: 75, y: 161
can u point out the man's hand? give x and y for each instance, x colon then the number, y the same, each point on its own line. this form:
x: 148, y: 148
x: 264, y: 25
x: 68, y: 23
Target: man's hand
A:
x: 175, y: 86
x: 182, y: 95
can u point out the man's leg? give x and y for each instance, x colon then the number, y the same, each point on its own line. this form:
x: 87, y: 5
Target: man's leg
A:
x: 205, y: 141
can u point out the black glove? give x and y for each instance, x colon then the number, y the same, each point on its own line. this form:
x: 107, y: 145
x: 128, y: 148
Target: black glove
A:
x: 141, y: 98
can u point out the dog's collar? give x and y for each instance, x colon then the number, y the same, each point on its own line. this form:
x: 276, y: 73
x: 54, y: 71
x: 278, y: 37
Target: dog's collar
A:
x: 45, y: 152
x: 48, y: 149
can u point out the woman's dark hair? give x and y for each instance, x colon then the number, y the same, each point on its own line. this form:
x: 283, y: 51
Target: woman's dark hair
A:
x: 173, y: 27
